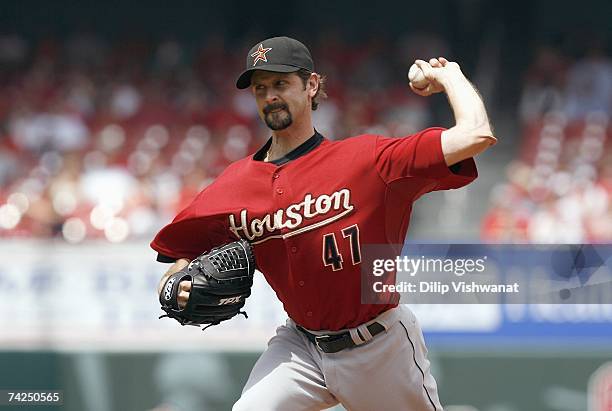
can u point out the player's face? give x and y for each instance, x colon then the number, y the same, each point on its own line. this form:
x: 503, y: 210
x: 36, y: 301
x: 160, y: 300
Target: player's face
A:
x: 280, y: 97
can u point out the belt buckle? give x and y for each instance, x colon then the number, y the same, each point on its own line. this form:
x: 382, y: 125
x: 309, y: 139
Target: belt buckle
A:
x: 317, y: 338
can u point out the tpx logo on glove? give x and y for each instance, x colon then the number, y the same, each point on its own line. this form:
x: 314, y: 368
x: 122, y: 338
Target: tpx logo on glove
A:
x: 230, y: 300
x: 191, y: 264
x: 168, y: 289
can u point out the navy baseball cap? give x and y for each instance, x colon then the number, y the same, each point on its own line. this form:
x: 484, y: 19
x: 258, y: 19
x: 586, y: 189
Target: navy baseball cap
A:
x: 278, y: 54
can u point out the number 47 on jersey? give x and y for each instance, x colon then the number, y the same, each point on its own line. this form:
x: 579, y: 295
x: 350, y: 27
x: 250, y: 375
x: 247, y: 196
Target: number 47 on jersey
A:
x: 331, y: 255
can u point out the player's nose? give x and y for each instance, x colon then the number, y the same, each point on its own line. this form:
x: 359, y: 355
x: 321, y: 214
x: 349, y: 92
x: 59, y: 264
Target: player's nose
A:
x: 271, y: 97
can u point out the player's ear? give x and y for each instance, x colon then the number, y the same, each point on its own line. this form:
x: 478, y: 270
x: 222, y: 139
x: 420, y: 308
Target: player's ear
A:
x: 313, y: 84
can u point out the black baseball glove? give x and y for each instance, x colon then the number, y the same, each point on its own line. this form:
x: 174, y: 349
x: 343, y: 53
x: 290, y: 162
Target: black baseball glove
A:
x: 221, y: 280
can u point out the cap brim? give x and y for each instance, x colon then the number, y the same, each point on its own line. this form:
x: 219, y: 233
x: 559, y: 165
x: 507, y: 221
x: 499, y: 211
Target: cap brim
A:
x: 244, y: 81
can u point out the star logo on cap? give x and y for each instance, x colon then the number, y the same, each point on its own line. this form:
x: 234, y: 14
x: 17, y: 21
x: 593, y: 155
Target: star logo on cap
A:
x: 260, y: 54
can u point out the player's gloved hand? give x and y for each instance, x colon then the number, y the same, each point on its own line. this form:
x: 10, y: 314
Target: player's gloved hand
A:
x: 440, y: 73
x: 212, y: 288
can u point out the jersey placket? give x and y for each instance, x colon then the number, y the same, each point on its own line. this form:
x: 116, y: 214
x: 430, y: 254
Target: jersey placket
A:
x: 281, y: 190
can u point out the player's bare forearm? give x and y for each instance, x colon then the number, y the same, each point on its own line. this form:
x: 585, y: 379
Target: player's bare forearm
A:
x: 177, y: 266
x: 469, y: 110
x: 472, y: 132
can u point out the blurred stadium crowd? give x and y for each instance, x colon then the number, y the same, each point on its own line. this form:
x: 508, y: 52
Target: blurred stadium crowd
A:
x: 108, y: 140
x: 559, y: 188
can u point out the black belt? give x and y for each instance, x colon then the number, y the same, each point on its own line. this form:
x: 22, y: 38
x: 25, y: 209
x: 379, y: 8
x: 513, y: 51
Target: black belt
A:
x: 337, y: 342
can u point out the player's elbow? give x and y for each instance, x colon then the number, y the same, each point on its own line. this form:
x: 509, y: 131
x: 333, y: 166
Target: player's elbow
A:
x: 483, y: 135
x: 478, y: 143
x: 459, y: 143
x: 482, y: 141
x: 474, y: 138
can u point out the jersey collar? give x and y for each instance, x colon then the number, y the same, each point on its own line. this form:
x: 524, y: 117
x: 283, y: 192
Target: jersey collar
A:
x: 304, y: 148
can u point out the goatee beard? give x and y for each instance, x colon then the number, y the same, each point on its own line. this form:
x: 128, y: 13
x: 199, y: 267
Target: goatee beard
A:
x: 278, y: 120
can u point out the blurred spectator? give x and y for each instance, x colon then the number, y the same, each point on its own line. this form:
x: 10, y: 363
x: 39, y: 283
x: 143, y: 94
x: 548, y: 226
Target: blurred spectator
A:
x: 54, y: 130
x: 589, y: 83
x: 543, y: 85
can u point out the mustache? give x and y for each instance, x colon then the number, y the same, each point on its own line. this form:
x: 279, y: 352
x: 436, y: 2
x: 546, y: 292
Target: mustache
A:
x: 267, y: 109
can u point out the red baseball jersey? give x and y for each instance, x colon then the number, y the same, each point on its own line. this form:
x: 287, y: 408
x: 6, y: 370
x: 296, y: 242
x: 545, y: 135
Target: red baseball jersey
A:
x: 309, y: 218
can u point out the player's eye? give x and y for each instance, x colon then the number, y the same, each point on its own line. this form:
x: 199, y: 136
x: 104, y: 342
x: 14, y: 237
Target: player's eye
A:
x: 281, y: 83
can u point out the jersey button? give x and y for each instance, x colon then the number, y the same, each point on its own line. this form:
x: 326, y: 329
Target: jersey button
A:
x: 301, y: 283
x: 279, y: 191
x: 294, y: 249
x: 309, y: 313
x: 275, y: 176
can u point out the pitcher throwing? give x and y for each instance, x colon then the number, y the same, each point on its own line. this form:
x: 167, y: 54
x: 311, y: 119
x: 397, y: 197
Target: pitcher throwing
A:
x: 307, y: 206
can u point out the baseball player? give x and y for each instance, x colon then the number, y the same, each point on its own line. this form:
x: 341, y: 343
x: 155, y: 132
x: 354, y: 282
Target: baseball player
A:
x: 307, y: 206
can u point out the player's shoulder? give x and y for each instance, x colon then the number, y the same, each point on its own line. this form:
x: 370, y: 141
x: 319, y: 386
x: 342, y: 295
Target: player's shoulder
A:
x: 231, y: 176
x: 355, y: 142
x: 236, y: 167
x: 359, y: 139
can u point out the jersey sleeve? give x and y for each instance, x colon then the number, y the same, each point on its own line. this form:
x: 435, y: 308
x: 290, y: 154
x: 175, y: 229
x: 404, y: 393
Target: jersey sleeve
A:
x: 420, y: 156
x: 196, y: 229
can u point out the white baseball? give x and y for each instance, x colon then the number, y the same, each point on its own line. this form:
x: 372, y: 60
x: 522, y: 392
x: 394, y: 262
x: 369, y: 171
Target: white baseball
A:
x: 417, y: 78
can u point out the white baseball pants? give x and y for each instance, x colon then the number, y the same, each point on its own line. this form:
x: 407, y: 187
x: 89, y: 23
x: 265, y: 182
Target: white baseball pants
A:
x: 389, y: 372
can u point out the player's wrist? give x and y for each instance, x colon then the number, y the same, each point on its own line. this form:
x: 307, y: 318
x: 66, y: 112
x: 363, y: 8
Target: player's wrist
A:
x: 452, y: 78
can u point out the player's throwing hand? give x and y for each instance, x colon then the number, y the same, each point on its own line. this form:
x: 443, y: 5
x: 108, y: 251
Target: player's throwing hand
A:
x: 439, y: 72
